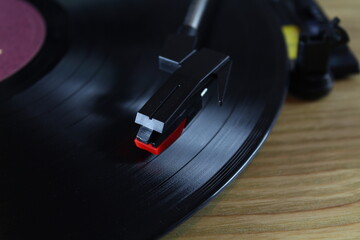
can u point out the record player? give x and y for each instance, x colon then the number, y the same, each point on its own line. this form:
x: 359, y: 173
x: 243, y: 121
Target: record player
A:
x: 198, y: 85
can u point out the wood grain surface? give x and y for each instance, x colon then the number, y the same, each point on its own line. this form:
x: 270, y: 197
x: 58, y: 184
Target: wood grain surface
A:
x: 305, y: 182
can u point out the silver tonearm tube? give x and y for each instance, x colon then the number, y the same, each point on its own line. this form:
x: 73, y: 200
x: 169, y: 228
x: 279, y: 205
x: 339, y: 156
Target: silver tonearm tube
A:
x: 196, y: 13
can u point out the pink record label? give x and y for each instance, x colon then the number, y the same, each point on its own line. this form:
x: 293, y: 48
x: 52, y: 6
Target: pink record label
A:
x: 22, y: 34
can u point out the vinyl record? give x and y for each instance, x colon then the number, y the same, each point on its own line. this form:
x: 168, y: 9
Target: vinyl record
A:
x: 69, y: 168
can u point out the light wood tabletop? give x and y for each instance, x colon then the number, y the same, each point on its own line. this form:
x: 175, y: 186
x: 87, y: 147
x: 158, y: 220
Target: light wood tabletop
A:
x: 305, y: 182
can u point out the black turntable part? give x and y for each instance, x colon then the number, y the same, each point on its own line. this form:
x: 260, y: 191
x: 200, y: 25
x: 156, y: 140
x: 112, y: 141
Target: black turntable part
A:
x: 180, y: 99
x: 312, y: 77
x: 309, y: 16
x: 340, y: 60
x: 175, y: 104
x: 195, y: 16
x: 343, y: 62
x: 180, y: 46
x: 87, y: 180
x: 50, y: 54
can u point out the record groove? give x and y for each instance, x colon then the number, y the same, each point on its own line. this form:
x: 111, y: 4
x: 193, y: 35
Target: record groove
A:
x: 69, y: 163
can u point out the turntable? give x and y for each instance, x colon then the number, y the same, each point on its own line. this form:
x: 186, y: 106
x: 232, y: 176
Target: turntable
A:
x: 80, y: 80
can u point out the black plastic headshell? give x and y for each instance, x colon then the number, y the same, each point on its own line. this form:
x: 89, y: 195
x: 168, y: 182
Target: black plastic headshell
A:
x: 180, y: 99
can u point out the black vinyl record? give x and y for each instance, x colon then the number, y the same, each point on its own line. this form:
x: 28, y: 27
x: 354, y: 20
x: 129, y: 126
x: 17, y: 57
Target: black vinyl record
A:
x: 69, y: 168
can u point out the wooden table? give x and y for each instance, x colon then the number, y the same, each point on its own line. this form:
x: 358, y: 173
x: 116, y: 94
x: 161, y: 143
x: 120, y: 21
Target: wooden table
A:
x: 305, y: 182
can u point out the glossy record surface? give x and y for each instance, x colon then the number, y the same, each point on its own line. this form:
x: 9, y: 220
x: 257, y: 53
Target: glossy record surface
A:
x: 69, y: 168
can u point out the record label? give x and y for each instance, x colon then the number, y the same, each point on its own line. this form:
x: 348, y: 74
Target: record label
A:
x: 22, y: 31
